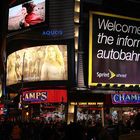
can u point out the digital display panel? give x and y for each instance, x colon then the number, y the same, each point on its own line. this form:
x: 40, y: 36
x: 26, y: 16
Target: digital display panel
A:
x: 114, y: 49
x: 39, y: 63
x: 26, y: 14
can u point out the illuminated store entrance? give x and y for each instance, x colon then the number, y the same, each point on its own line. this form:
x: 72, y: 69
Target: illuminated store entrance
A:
x: 52, y: 112
x: 87, y: 112
x: 85, y: 106
x: 123, y: 113
x: 90, y: 112
x: 45, y: 104
x: 122, y: 106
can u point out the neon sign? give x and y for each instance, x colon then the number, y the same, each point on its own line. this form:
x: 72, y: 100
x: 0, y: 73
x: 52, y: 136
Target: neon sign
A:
x: 125, y: 98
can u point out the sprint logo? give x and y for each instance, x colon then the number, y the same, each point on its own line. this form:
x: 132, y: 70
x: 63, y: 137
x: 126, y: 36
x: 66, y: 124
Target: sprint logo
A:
x: 110, y: 75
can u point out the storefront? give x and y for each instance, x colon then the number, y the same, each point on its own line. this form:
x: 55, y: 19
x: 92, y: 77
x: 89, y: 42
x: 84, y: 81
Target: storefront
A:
x: 49, y: 105
x: 122, y: 106
x: 86, y: 107
x: 106, y: 53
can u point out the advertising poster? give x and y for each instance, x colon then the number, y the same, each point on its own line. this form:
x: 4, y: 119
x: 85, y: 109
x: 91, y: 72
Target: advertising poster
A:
x: 26, y: 14
x: 114, y: 49
x: 39, y: 63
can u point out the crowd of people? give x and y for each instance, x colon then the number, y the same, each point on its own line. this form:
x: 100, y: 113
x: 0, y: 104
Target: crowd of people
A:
x: 83, y: 130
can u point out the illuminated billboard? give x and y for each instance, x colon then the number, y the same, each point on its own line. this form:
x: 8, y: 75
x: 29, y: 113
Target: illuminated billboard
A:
x: 26, y: 14
x: 39, y: 63
x: 114, y: 56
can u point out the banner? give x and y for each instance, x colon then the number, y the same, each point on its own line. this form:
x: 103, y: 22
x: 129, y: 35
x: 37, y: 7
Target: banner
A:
x: 114, y: 44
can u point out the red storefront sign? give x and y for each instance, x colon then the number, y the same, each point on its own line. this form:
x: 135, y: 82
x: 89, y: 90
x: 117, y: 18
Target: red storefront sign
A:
x: 47, y: 96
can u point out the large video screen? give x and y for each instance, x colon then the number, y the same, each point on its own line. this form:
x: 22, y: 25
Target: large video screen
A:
x: 114, y: 49
x: 39, y: 63
x: 26, y: 14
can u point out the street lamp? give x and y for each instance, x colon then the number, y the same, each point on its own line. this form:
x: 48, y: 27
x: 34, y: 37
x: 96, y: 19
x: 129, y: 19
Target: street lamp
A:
x: 22, y: 80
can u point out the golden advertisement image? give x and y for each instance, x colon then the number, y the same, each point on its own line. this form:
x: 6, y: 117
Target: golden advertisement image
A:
x: 40, y: 63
